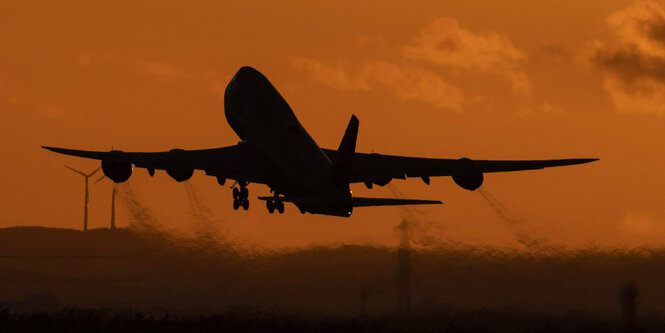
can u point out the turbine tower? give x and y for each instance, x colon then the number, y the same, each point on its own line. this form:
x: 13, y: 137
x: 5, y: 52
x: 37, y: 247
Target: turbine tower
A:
x: 113, y: 191
x: 87, y: 196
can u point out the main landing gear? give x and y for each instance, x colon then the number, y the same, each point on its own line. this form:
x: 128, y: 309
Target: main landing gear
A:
x: 241, y: 196
x: 273, y: 205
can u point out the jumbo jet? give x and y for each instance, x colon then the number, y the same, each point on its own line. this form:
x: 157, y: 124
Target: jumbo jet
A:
x: 277, y: 151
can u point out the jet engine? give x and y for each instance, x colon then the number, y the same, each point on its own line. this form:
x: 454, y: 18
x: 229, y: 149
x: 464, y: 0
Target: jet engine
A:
x: 116, y: 171
x: 469, y: 182
x: 181, y: 171
x: 469, y: 178
x: 382, y: 182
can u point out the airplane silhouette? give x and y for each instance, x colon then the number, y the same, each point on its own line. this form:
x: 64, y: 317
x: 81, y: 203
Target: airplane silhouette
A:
x: 277, y: 151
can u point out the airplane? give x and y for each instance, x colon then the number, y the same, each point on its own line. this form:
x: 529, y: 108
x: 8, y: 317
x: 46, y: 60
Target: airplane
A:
x: 277, y: 151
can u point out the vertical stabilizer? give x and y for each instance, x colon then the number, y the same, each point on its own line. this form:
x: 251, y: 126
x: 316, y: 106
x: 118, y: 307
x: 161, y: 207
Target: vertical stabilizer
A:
x: 344, y: 160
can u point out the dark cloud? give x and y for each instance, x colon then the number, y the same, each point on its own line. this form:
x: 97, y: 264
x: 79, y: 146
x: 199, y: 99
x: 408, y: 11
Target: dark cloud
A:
x: 633, y: 61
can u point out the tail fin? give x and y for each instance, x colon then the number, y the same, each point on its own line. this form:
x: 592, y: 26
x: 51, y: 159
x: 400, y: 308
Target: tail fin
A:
x: 347, y: 148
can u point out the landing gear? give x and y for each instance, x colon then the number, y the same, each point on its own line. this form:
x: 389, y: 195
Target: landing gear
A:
x: 273, y: 205
x: 241, y: 196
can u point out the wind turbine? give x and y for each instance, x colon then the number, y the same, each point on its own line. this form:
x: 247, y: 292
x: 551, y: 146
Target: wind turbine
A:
x: 112, y: 201
x: 87, y: 196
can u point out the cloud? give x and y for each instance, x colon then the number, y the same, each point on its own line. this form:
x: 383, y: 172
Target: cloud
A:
x: 332, y: 76
x: 644, y: 226
x: 455, y: 52
x: 405, y: 82
x: 633, y: 62
x: 160, y: 71
x: 445, y: 43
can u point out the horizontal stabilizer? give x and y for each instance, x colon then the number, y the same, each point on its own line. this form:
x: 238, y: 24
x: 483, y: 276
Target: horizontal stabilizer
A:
x: 365, y: 202
x: 357, y: 201
x: 305, y: 200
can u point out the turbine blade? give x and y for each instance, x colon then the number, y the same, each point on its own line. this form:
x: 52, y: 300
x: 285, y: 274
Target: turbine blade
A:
x: 79, y: 172
x: 94, y: 172
x: 100, y: 179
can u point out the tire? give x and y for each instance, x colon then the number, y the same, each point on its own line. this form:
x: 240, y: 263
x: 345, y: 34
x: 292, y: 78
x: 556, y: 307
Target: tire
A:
x: 245, y: 204
x: 280, y: 207
x: 236, y: 193
x: 244, y: 193
x: 236, y: 204
x: 271, y: 206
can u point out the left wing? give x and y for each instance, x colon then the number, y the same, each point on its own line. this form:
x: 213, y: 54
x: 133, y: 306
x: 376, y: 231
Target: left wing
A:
x: 380, y: 169
x: 238, y: 162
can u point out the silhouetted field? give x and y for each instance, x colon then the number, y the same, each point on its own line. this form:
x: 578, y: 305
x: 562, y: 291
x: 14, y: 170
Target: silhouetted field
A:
x: 65, y: 277
x: 127, y: 320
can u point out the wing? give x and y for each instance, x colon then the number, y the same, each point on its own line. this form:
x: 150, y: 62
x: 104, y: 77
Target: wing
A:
x: 380, y: 169
x: 239, y: 162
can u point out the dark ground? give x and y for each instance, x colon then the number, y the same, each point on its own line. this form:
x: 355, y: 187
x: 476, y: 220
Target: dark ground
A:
x: 105, y: 320
x: 144, y: 279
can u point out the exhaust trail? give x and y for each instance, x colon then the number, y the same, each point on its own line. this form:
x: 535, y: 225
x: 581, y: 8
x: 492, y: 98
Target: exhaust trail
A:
x: 206, y: 229
x: 514, y: 223
x: 415, y: 227
x: 139, y: 217
x: 197, y: 208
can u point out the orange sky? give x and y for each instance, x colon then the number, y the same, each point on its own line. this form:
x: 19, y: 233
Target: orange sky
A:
x: 481, y: 79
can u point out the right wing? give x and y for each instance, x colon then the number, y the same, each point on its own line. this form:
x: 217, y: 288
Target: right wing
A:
x: 237, y: 162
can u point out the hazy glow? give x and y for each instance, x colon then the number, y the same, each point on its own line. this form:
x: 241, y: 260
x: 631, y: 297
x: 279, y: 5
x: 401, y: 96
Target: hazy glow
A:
x: 481, y: 79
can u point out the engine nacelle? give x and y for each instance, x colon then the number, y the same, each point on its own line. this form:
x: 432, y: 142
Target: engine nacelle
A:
x: 118, y: 172
x: 382, y: 182
x: 469, y: 182
x: 468, y: 177
x: 180, y: 173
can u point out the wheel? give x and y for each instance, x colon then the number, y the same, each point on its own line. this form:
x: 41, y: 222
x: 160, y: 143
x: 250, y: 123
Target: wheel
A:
x: 244, y: 193
x: 280, y: 207
x: 271, y: 206
x: 302, y: 211
x: 236, y: 204
x: 245, y: 204
x: 236, y: 193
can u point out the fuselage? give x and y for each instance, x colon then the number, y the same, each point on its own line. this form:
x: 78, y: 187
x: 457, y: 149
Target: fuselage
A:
x: 261, y: 117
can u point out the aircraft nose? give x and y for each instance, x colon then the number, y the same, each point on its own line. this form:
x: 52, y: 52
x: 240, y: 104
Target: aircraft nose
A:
x: 247, y: 74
